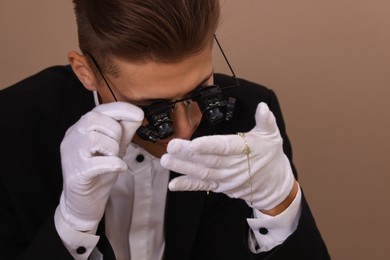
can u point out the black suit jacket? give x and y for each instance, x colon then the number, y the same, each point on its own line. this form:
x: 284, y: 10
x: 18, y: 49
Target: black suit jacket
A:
x: 36, y: 112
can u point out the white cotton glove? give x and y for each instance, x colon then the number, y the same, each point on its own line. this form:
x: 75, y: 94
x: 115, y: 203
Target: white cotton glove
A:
x: 91, y: 155
x: 217, y: 163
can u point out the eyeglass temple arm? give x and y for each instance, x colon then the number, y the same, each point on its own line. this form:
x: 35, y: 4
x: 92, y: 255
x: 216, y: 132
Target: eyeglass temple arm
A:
x: 224, y: 56
x: 101, y: 73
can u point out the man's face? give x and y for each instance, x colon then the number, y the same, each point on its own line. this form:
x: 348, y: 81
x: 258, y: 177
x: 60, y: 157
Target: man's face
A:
x: 141, y: 83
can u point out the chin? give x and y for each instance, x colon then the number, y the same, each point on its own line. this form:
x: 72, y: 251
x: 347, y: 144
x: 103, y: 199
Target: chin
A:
x: 156, y: 149
x: 159, y: 151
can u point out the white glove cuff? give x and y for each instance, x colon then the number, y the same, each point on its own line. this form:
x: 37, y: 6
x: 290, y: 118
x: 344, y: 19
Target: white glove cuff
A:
x: 75, y: 223
x: 276, y: 191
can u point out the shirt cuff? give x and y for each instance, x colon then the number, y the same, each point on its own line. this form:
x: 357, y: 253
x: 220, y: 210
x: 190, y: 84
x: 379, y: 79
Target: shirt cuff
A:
x: 79, y: 244
x: 269, y: 231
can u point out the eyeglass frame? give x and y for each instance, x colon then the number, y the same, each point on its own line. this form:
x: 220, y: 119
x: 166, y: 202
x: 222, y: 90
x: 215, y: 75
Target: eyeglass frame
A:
x: 172, y: 103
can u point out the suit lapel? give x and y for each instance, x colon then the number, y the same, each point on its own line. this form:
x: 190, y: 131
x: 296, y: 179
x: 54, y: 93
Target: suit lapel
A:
x: 182, y: 218
x: 104, y: 245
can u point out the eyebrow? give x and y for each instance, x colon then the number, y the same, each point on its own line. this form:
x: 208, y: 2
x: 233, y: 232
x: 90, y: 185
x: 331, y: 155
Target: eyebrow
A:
x: 201, y: 84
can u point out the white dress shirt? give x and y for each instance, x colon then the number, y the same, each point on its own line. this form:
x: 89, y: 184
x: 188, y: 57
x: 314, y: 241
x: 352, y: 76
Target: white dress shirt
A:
x: 136, y: 230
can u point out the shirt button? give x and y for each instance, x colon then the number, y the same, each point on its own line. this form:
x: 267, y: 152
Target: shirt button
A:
x: 81, y: 250
x: 263, y: 231
x: 140, y: 158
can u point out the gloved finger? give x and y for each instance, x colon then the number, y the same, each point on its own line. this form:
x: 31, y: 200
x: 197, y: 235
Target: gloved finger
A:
x: 185, y: 166
x: 104, y: 119
x: 99, y: 144
x: 179, y: 147
x: 103, y: 165
x: 95, y: 122
x: 265, y: 120
x: 222, y: 162
x: 121, y: 111
x: 90, y: 144
x: 185, y: 183
x: 223, y: 145
x: 128, y: 131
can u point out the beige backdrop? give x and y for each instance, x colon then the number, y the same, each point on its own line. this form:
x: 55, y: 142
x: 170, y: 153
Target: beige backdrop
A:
x: 328, y: 61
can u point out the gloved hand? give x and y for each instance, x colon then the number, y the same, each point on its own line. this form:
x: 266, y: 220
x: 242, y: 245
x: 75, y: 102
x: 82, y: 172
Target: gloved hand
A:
x: 218, y: 163
x: 91, y: 155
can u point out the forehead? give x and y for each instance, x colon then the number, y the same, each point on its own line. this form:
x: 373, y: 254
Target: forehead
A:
x: 149, y: 80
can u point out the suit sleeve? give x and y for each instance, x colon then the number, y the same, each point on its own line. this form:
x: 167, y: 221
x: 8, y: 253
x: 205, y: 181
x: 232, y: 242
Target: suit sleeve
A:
x: 16, y: 242
x: 30, y: 175
x: 306, y: 241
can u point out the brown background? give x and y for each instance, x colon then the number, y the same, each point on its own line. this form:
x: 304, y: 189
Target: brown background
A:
x: 329, y: 63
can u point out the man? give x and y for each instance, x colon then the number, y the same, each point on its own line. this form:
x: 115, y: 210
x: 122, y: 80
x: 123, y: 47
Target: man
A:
x: 89, y: 150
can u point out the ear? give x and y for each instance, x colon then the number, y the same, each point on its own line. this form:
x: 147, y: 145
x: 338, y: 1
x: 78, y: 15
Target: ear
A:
x: 83, y: 71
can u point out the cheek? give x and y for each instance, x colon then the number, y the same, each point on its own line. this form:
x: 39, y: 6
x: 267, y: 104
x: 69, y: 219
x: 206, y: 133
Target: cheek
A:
x: 144, y: 122
x: 104, y: 95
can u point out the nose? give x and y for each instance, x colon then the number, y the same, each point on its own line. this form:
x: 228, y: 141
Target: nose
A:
x: 185, y: 119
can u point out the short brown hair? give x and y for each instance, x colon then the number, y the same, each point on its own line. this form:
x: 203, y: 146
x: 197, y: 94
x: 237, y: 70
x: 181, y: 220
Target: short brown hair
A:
x: 145, y: 30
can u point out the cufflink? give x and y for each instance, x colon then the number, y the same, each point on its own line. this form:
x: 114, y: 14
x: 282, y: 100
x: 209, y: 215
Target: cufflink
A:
x: 81, y: 250
x: 263, y: 231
